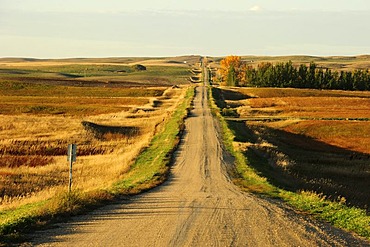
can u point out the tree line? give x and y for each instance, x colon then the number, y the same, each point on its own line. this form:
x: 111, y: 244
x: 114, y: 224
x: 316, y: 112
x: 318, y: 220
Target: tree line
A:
x: 235, y: 72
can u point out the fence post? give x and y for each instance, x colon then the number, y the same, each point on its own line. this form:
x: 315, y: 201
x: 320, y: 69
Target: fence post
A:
x: 71, y: 157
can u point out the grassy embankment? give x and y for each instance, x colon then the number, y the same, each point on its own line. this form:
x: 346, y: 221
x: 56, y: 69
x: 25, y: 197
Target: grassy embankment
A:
x: 37, y: 124
x: 149, y: 170
x: 158, y: 155
x: 251, y: 168
x: 41, y: 117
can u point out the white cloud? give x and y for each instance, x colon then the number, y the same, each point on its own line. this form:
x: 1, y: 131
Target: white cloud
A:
x: 255, y: 8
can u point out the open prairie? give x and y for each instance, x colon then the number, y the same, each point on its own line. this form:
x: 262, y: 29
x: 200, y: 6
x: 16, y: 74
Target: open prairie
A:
x: 98, y: 72
x: 109, y: 108
x: 304, y: 139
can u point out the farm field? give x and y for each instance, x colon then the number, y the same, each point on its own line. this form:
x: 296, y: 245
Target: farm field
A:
x: 110, y: 110
x: 304, y: 139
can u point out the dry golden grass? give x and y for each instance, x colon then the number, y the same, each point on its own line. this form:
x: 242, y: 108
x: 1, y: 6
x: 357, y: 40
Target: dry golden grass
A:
x: 30, y: 135
x: 304, y: 103
x: 350, y: 135
x: 75, y: 106
x: 310, y: 107
x: 307, y: 104
x: 309, y: 139
x: 294, y: 92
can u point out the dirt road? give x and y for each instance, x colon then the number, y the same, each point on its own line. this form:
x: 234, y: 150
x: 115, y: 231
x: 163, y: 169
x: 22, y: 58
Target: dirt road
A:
x: 197, y: 206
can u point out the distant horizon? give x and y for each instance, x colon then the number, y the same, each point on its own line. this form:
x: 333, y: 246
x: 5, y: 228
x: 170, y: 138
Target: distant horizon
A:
x: 163, y: 28
x: 186, y: 55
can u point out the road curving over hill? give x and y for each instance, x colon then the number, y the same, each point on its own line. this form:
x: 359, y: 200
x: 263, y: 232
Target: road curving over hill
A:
x: 197, y: 206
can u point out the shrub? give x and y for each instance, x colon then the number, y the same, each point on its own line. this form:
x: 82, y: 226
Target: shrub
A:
x: 229, y: 112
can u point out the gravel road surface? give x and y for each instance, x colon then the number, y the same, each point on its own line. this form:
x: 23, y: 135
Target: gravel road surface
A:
x: 197, y: 206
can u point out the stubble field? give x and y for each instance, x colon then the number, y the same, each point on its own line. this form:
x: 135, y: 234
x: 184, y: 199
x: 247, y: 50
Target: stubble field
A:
x: 305, y: 139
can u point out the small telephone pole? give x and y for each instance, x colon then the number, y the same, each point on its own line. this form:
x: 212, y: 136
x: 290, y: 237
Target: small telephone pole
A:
x: 71, y: 157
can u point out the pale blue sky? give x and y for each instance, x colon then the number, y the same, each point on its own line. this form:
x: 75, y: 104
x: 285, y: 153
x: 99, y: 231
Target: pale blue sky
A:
x: 97, y: 28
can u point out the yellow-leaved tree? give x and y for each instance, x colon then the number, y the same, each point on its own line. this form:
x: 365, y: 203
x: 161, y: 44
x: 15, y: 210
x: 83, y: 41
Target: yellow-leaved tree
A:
x: 232, y: 71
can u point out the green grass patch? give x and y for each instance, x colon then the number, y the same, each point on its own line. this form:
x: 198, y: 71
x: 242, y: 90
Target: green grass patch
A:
x: 247, y: 177
x: 168, y: 75
x: 149, y: 170
x: 16, y: 88
x: 152, y: 74
x: 334, y: 212
x: 15, y: 222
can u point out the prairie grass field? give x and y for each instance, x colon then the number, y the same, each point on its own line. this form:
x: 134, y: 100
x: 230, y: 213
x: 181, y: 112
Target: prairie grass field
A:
x: 113, y: 72
x: 110, y: 110
x: 306, y: 103
x: 304, y: 140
